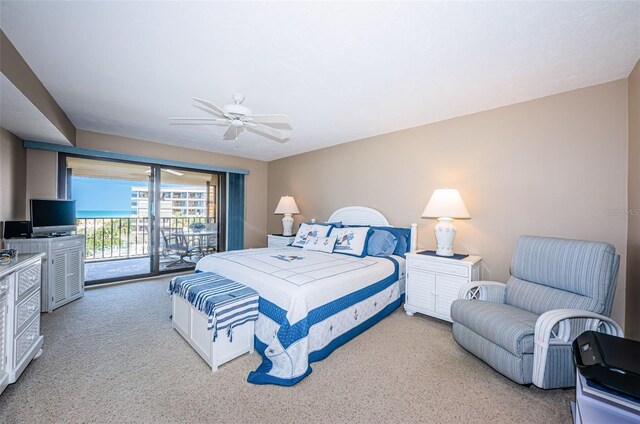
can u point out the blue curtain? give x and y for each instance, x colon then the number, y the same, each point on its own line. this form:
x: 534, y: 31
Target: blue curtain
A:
x: 235, y: 214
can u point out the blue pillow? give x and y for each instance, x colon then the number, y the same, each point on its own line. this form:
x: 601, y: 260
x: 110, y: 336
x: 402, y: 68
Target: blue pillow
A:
x: 381, y: 243
x: 403, y: 236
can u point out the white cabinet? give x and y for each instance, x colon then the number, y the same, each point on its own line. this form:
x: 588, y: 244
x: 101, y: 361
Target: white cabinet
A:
x: 20, y: 340
x: 63, y: 269
x: 433, y: 282
x: 67, y: 277
x: 276, y: 240
x: 4, y: 376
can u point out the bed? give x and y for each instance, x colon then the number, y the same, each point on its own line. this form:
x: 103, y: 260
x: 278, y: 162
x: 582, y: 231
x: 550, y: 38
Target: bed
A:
x: 312, y: 302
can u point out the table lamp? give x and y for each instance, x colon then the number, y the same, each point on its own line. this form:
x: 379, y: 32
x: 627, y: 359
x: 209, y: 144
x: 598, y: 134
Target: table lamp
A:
x: 445, y: 204
x: 287, y: 206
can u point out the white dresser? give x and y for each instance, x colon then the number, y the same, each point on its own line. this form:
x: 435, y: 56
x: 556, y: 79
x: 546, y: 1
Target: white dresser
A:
x: 433, y: 282
x: 62, y: 270
x: 278, y: 240
x: 20, y: 340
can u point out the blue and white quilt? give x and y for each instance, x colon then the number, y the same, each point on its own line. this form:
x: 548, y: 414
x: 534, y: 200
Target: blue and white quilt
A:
x: 310, y: 302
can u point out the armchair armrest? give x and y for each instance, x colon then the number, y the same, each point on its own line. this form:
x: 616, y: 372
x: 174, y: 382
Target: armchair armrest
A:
x: 561, y: 327
x: 490, y: 291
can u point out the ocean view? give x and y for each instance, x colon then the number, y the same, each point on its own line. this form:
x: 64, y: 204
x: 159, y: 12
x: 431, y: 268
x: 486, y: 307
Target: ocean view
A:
x: 104, y: 214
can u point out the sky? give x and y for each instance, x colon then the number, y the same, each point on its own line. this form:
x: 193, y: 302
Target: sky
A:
x: 101, y: 194
x: 94, y: 194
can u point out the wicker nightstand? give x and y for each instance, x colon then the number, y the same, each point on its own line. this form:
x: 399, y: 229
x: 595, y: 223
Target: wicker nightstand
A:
x: 433, y: 282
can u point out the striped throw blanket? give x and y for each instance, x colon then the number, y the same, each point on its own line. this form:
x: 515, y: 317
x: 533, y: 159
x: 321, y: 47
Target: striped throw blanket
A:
x: 226, y: 302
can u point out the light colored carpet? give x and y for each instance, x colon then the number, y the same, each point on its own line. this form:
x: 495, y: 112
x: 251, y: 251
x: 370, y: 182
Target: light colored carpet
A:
x: 113, y: 357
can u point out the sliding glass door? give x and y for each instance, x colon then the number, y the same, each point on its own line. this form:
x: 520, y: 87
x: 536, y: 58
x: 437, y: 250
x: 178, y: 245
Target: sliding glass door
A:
x: 189, y: 217
x: 142, y: 220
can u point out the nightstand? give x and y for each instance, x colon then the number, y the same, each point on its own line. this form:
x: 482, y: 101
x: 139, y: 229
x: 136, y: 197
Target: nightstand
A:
x: 433, y: 282
x: 278, y: 240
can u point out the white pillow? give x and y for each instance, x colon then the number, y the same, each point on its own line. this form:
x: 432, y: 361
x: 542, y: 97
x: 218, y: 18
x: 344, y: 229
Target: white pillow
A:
x: 351, y: 240
x: 320, y: 244
x: 310, y: 230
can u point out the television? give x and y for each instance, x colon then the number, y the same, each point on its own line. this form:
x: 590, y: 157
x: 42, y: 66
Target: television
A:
x: 50, y: 216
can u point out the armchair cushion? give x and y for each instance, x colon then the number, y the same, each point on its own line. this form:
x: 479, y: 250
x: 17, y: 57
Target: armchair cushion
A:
x: 550, y: 273
x: 506, y: 326
x: 539, y: 299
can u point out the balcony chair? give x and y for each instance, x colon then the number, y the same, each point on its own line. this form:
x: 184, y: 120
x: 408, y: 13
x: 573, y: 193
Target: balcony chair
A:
x: 210, y: 243
x: 176, y: 243
x: 524, y: 329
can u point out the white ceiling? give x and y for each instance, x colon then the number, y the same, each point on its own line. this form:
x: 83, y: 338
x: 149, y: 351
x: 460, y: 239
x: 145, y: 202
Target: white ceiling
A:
x: 342, y: 71
x: 22, y: 118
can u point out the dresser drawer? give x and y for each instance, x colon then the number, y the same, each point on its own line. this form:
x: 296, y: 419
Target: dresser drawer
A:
x: 4, y: 287
x: 25, y: 340
x: 279, y: 241
x: 66, y: 244
x: 26, y: 279
x: 26, y: 310
x: 438, y: 267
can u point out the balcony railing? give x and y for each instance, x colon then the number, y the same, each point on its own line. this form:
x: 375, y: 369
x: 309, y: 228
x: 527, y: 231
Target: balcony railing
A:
x: 120, y: 238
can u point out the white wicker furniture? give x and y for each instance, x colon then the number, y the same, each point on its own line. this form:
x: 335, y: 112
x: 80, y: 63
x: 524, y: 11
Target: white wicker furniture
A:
x: 433, y: 283
x: 19, y: 316
x: 62, y: 270
x: 4, y: 375
x: 277, y: 240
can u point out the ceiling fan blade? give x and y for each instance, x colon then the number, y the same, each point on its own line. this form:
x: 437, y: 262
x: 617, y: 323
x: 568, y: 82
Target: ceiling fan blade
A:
x: 200, y: 119
x: 210, y: 105
x: 279, y: 136
x: 271, y: 119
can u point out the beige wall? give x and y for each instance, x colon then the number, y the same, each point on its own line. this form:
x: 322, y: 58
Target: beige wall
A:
x: 633, y: 235
x: 42, y: 174
x: 553, y: 166
x: 14, y: 67
x: 13, y: 177
x: 42, y: 164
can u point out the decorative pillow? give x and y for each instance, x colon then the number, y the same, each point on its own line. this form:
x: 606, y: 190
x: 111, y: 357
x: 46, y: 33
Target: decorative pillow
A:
x: 381, y: 243
x: 404, y: 239
x: 351, y: 240
x: 310, y: 230
x: 320, y: 244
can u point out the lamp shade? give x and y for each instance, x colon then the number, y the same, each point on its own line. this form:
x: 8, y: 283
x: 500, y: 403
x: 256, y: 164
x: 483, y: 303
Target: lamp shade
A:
x: 446, y: 202
x: 287, y: 204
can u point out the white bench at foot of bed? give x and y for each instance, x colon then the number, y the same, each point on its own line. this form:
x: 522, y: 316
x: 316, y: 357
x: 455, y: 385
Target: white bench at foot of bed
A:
x: 192, y: 325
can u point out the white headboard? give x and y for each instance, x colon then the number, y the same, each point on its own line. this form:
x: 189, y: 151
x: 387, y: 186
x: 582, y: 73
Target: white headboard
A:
x: 361, y: 215
x: 358, y: 215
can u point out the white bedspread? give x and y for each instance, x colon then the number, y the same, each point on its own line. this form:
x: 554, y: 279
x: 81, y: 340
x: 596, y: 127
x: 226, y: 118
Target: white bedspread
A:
x: 299, y: 281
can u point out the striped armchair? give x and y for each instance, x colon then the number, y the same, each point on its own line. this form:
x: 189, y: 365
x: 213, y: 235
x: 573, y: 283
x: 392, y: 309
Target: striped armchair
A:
x: 523, y: 329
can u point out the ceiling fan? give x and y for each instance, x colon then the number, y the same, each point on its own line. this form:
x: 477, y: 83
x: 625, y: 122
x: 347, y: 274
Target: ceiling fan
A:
x: 239, y: 118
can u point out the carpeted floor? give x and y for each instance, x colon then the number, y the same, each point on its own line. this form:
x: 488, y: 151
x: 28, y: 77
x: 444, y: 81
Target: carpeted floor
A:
x: 113, y: 357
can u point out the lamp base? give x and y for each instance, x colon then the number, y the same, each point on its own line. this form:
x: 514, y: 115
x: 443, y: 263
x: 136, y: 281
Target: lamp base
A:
x: 287, y: 225
x: 445, y: 233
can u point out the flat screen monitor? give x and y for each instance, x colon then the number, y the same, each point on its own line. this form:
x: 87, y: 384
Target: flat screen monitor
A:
x: 53, y: 216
